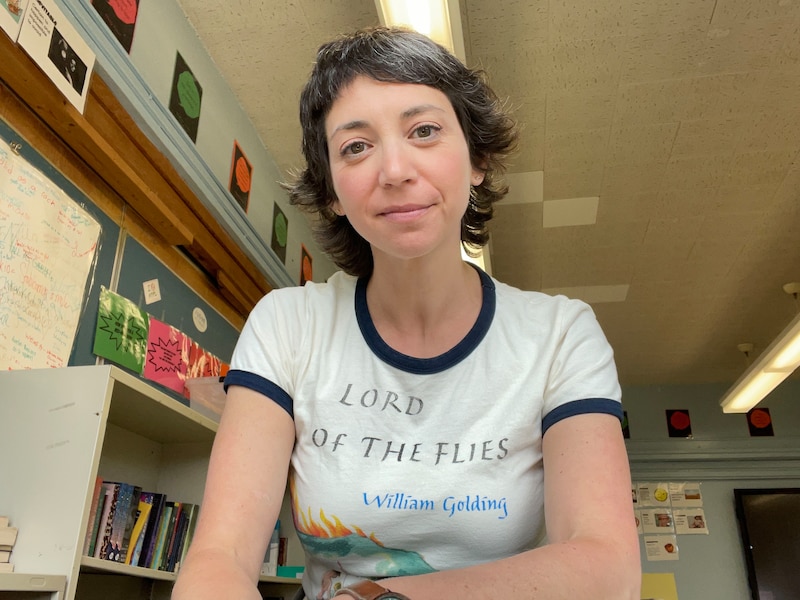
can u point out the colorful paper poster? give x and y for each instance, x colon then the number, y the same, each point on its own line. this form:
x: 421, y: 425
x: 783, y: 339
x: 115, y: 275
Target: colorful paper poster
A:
x: 241, y: 177
x: 167, y: 356
x: 56, y: 47
x: 280, y: 233
x: 685, y: 494
x: 653, y: 494
x: 659, y: 586
x: 661, y: 547
x: 759, y: 423
x: 657, y: 520
x: 11, y: 13
x: 120, y: 18
x: 637, y: 514
x: 122, y: 330
x: 306, y: 267
x: 679, y: 424
x: 48, y: 245
x: 690, y: 521
x: 186, y: 98
x: 202, y: 363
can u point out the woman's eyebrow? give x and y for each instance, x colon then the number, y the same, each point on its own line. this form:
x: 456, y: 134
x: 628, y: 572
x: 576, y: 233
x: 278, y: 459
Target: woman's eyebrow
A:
x: 349, y: 126
x: 415, y: 110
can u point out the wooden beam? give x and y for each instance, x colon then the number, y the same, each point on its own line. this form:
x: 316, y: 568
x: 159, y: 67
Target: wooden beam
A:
x: 33, y: 131
x: 167, y: 172
x: 22, y: 75
x: 107, y: 138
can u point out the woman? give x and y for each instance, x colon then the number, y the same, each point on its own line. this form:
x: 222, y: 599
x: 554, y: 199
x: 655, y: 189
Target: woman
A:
x: 435, y: 420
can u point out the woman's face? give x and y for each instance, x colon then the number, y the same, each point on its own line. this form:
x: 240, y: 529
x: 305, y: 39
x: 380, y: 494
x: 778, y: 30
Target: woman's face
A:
x: 400, y: 167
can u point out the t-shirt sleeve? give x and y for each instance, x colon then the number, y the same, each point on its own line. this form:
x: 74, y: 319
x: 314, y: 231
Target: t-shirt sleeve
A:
x: 261, y: 358
x: 583, y: 376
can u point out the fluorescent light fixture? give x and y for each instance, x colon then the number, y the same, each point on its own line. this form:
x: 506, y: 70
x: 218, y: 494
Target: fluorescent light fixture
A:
x: 440, y: 20
x: 774, y: 365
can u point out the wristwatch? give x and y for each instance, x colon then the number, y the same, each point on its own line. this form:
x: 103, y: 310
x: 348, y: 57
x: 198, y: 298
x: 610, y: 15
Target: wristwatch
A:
x: 369, y: 590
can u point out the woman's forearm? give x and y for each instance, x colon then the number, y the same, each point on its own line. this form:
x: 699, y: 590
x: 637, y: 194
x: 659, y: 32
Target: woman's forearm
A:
x: 213, y: 574
x: 574, y: 570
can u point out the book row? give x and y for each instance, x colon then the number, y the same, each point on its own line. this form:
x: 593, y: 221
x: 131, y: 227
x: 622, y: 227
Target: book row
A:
x: 8, y: 537
x: 138, y: 528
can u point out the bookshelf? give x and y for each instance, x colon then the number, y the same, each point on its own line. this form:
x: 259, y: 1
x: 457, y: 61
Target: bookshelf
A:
x: 59, y: 429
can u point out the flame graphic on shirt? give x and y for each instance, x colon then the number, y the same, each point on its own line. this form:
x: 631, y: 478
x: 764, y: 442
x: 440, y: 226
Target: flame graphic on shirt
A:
x: 304, y: 522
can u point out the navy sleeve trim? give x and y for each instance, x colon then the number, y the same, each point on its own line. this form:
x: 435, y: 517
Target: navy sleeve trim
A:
x: 581, y: 407
x: 262, y: 386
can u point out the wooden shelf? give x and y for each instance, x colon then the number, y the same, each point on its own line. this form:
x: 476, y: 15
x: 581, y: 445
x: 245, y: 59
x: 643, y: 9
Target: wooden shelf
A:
x: 142, y: 409
x: 33, y: 585
x: 97, y: 565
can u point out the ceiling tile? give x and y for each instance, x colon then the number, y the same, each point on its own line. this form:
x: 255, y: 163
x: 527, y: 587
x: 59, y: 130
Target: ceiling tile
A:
x: 575, y: 150
x: 771, y: 131
x: 731, y: 12
x: 516, y: 73
x: 571, y: 21
x: 697, y: 171
x: 573, y: 184
x: 742, y: 198
x: 523, y: 188
x: 492, y: 25
x: 586, y: 65
x: 708, y: 136
x: 593, y: 294
x: 662, y: 232
x: 616, y: 208
x: 575, y: 112
x: 649, y: 143
x: 670, y: 54
x: 760, y: 168
x: 662, y: 262
x: 625, y: 180
x: 615, y: 268
x: 569, y: 212
x: 747, y: 46
x: 673, y: 15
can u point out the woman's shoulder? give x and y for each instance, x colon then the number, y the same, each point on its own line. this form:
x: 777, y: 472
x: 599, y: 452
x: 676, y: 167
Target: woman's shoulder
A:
x: 311, y: 295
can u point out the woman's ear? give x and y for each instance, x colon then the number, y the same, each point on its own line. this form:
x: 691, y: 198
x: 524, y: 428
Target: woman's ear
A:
x: 477, y: 177
x: 336, y: 207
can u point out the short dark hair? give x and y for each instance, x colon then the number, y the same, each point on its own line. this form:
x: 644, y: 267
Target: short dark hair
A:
x: 396, y: 55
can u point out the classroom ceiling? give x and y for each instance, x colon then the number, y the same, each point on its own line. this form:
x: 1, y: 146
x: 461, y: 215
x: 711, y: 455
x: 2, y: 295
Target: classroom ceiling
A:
x: 680, y: 116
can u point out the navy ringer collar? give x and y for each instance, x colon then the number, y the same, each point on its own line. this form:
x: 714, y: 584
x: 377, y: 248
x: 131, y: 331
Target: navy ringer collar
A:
x: 426, y: 366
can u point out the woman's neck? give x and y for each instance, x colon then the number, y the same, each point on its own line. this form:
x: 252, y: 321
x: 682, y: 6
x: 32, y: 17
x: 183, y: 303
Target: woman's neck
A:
x: 424, y: 310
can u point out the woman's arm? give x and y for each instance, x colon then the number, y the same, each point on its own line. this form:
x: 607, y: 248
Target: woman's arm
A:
x: 243, y: 495
x: 593, y: 547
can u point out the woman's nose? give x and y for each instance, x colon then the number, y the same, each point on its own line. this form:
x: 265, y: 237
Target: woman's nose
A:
x: 397, y: 165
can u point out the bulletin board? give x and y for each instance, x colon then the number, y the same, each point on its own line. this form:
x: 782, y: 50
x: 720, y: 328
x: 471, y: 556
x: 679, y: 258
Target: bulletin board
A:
x: 177, y: 305
x: 56, y: 250
x: 113, y: 260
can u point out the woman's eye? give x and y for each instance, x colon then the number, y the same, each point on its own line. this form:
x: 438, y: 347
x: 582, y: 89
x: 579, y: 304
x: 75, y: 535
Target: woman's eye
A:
x: 425, y: 131
x: 354, y: 148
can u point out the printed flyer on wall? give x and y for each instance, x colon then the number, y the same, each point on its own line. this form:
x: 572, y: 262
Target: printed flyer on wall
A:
x: 11, y: 12
x: 60, y: 52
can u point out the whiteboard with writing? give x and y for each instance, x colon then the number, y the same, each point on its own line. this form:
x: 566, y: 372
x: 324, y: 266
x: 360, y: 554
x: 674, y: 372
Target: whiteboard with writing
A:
x: 48, y: 245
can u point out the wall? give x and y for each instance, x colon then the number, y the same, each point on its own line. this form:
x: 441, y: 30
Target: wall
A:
x: 146, y: 75
x: 722, y: 456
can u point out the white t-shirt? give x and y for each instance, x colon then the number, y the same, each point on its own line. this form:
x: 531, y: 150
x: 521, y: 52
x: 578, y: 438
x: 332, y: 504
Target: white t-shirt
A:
x: 404, y: 465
